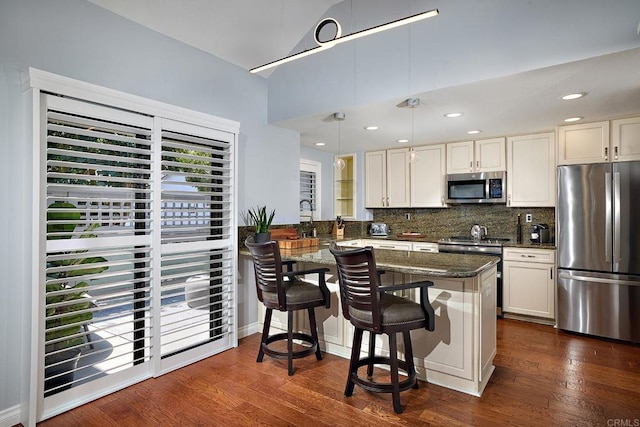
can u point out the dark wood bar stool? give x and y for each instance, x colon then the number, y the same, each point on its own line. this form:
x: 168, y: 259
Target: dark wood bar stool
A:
x: 284, y: 291
x: 368, y: 307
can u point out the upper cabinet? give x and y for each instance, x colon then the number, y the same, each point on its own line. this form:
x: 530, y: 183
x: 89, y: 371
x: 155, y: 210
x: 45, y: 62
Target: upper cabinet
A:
x: 484, y: 155
x: 625, y: 139
x: 404, y: 177
x: 583, y: 143
x: 590, y: 143
x: 387, y: 178
x: 428, y: 176
x: 531, y: 171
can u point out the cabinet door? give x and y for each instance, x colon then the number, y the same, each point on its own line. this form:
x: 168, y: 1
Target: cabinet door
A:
x: 529, y: 289
x: 490, y: 155
x: 583, y: 143
x: 398, y: 188
x: 625, y: 139
x: 375, y: 179
x: 460, y: 157
x: 427, y: 176
x: 531, y: 170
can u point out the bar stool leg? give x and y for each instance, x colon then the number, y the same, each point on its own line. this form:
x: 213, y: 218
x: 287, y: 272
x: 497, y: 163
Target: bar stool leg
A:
x: 314, y: 332
x: 353, y: 363
x: 395, y: 381
x: 372, y: 353
x: 408, y: 354
x: 290, y: 341
x: 265, y: 333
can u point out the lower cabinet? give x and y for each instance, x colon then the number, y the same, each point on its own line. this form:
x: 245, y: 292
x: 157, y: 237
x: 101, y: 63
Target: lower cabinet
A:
x: 529, y: 282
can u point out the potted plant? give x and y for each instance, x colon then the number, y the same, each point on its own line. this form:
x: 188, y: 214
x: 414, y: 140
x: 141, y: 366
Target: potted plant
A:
x: 262, y: 223
x: 67, y: 302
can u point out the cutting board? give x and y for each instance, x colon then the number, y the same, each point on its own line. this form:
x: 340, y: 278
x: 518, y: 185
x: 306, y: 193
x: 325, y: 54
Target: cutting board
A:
x: 307, y: 242
x: 283, y: 233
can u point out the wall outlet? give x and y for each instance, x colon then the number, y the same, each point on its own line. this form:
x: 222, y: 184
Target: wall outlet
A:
x: 407, y: 216
x: 529, y: 218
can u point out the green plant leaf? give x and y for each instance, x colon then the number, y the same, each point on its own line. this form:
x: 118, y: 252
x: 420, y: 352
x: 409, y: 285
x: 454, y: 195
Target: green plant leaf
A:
x: 52, y: 215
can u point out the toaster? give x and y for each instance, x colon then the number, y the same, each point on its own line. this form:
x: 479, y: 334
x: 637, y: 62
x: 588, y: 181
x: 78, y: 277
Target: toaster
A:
x: 379, y: 229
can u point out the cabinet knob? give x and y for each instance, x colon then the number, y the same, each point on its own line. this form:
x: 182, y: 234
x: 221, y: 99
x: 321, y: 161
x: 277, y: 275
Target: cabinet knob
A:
x: 615, y: 152
x: 509, y: 200
x: 606, y: 153
x: 383, y: 201
x: 478, y: 164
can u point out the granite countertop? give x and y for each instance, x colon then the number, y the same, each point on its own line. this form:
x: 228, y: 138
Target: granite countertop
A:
x: 420, y: 263
x: 526, y: 243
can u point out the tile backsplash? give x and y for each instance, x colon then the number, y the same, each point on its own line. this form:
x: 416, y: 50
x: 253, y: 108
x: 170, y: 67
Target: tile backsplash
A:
x: 500, y: 220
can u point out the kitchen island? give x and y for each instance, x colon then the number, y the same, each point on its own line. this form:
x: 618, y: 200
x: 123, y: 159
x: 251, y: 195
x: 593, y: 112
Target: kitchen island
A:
x: 459, y: 353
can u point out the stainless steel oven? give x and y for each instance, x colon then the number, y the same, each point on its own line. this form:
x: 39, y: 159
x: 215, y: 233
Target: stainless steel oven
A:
x: 469, y: 246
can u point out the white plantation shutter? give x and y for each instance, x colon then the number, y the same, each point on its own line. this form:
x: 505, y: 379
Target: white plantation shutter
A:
x: 139, y: 243
x: 197, y: 239
x: 98, y: 180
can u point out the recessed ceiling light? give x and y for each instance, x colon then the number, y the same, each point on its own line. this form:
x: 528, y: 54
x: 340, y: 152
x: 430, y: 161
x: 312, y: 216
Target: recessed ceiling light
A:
x: 402, y: 141
x: 473, y: 132
x: 573, y: 96
x: 452, y: 115
x: 573, y: 119
x: 319, y: 144
x: 372, y: 128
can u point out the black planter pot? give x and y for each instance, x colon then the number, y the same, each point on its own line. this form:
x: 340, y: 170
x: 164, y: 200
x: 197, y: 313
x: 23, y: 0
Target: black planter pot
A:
x: 262, y: 237
x: 62, y: 371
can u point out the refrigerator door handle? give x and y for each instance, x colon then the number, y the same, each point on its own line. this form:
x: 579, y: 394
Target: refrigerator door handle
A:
x: 616, y: 221
x: 598, y: 279
x: 608, y: 214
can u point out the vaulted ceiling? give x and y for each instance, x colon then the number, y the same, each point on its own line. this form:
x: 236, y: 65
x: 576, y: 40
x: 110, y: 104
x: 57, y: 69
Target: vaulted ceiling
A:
x: 249, y: 33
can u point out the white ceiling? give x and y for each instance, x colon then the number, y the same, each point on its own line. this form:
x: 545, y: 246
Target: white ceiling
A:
x: 249, y: 33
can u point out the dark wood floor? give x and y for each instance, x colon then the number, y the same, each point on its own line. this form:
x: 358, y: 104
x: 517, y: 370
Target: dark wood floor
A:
x: 543, y: 377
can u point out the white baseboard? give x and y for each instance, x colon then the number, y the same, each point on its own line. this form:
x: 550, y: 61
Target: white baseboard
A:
x: 10, y: 416
x: 251, y: 329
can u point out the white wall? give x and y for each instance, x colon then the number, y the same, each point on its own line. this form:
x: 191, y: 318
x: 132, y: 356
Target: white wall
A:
x: 77, y: 39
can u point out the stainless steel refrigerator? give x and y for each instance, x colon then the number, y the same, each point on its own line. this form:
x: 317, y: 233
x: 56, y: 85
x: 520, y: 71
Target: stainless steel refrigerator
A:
x: 598, y: 238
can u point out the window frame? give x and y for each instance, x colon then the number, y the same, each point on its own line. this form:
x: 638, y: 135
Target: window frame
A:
x: 312, y: 166
x: 37, y: 84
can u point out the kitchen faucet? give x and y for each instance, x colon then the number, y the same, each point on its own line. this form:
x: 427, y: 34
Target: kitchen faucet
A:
x: 302, y: 201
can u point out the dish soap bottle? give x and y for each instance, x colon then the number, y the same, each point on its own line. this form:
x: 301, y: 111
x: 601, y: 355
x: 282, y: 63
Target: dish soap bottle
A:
x: 519, y: 230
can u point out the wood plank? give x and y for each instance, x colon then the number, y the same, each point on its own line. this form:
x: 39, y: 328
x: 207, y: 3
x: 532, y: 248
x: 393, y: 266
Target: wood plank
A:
x: 543, y: 377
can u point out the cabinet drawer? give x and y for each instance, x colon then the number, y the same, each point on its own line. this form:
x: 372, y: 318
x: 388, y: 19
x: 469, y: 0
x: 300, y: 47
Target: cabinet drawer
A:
x: 425, y: 247
x: 391, y: 245
x: 529, y: 255
x: 355, y: 243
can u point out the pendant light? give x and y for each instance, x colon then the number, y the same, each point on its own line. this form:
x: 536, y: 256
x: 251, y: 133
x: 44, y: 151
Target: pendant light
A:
x: 339, y: 163
x: 412, y: 103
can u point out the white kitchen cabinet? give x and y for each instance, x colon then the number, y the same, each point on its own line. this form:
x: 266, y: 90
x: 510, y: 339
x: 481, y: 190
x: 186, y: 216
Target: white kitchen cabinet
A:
x: 625, y: 139
x: 375, y: 172
x: 531, y: 170
x: 583, y: 143
x: 387, y: 178
x: 425, y: 247
x: 428, y: 172
x: 484, y: 155
x: 529, y: 282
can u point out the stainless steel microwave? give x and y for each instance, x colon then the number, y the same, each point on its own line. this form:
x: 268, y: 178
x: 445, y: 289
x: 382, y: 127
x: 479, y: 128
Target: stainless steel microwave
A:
x: 479, y: 187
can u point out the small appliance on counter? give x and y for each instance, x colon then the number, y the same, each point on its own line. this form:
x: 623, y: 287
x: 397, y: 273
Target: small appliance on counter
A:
x: 540, y: 233
x: 379, y: 229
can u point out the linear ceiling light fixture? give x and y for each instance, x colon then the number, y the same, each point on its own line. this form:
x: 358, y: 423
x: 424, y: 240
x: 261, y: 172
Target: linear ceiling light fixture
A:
x: 338, y: 38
